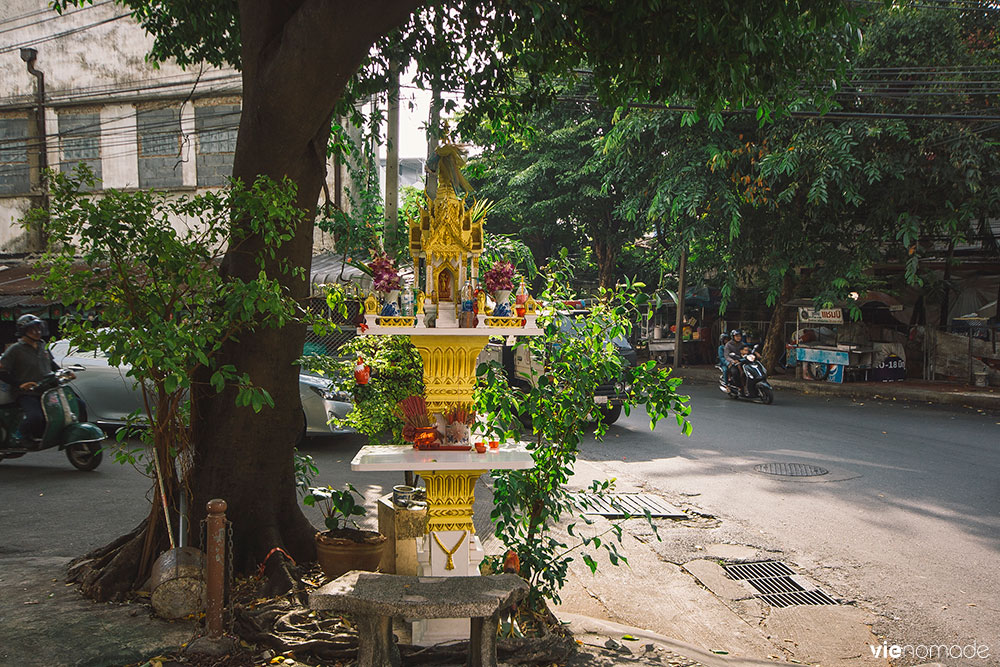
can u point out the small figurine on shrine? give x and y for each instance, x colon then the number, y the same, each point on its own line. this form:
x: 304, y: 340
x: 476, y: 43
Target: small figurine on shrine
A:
x: 362, y: 371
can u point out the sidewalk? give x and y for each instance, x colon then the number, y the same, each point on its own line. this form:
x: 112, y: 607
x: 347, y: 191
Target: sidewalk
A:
x: 941, y: 393
x: 47, y: 623
x: 654, y: 612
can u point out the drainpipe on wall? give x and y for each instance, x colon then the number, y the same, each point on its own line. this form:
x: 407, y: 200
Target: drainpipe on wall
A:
x: 36, y: 239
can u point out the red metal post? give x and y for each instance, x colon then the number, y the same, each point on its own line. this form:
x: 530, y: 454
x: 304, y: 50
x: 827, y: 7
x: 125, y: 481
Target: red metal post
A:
x: 215, y: 566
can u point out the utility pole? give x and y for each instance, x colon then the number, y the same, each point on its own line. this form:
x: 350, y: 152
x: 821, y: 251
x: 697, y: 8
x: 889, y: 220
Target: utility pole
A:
x: 41, y: 162
x: 392, y: 159
x: 679, y: 324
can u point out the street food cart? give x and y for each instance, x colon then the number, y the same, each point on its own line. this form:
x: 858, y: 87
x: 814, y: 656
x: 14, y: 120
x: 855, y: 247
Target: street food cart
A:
x: 820, y: 355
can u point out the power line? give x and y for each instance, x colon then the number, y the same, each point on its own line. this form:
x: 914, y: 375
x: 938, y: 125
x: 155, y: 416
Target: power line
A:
x: 65, y: 33
x: 88, y: 130
x: 53, y: 18
x: 28, y: 15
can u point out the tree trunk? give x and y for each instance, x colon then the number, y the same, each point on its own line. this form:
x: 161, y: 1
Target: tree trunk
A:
x: 297, y: 61
x: 606, y: 254
x: 774, y: 343
x: 297, y: 58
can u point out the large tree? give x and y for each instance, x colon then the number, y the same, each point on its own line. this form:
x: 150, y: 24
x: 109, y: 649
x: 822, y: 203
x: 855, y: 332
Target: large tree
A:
x: 303, y: 61
x: 833, y: 197
x: 551, y: 189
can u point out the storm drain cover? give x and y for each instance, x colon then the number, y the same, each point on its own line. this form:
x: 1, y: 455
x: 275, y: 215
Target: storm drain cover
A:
x: 620, y: 504
x: 777, y: 584
x: 759, y: 570
x: 790, y: 469
x: 813, y: 597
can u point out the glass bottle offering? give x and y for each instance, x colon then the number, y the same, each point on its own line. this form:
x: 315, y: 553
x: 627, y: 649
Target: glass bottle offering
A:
x: 407, y: 303
x: 521, y: 296
x: 468, y: 297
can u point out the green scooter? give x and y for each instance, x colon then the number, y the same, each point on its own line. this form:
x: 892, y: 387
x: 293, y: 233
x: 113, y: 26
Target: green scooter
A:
x: 63, y: 426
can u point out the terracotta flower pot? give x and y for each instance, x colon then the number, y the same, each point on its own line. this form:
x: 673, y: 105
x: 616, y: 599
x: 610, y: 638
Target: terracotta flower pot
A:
x: 348, y: 549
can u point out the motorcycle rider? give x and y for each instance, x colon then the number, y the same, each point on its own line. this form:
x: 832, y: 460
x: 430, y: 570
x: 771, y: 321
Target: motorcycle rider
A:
x: 23, y: 365
x: 732, y: 353
x: 721, y: 353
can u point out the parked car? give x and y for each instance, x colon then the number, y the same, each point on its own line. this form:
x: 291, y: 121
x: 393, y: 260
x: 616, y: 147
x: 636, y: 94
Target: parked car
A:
x: 522, y: 369
x: 111, y: 395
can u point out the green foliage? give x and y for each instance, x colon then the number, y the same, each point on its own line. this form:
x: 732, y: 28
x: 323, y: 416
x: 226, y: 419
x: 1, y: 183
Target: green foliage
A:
x: 507, y: 248
x: 358, y: 229
x: 530, y: 503
x: 397, y: 372
x: 717, y: 53
x: 305, y: 472
x: 553, y: 189
x: 164, y: 311
x: 339, y: 507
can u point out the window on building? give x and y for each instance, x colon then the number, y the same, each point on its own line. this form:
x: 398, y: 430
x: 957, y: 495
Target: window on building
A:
x: 15, y: 178
x: 159, y: 136
x: 216, y: 127
x: 80, y: 141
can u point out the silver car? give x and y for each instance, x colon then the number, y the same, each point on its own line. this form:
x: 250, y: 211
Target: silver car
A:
x: 111, y: 395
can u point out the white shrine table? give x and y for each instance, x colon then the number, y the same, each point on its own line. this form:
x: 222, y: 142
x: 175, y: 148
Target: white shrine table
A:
x: 450, y: 546
x: 450, y: 475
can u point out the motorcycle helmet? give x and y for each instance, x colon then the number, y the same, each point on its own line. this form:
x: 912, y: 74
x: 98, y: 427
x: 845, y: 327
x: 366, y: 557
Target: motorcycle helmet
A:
x: 26, y: 322
x: 734, y: 333
x: 723, y: 339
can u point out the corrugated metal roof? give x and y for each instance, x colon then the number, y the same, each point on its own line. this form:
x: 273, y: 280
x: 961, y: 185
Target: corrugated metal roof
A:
x: 15, y: 279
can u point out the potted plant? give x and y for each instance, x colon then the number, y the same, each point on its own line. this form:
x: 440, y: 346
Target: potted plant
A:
x: 499, y: 281
x: 386, y: 281
x: 341, y: 548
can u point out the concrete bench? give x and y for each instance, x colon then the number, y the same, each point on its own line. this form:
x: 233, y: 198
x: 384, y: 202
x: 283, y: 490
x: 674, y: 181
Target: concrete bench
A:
x: 373, y: 599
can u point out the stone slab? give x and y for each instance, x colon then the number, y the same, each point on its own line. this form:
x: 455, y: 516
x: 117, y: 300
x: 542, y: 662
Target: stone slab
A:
x: 510, y: 456
x: 830, y: 635
x: 713, y: 577
x: 419, y: 597
x: 45, y: 622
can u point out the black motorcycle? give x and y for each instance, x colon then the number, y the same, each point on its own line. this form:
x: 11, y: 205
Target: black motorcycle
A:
x: 753, y: 383
x: 63, y: 426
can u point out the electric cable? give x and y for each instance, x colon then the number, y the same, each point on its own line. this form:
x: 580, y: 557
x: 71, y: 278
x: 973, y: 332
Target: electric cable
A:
x: 65, y: 33
x: 56, y: 16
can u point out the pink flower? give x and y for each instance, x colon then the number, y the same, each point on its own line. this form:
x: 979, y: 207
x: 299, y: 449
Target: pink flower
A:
x: 385, y: 278
x: 499, y: 277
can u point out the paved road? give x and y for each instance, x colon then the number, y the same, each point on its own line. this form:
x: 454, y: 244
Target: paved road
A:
x: 907, y: 521
x: 48, y: 508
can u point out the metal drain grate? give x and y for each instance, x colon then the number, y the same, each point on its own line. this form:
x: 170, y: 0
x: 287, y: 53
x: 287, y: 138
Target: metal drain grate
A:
x: 778, y: 584
x: 759, y: 570
x: 618, y: 504
x: 775, y: 585
x: 813, y: 597
x: 790, y: 469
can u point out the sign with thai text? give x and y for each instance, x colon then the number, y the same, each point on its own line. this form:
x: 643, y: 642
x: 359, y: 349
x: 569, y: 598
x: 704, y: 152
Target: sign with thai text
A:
x: 821, y: 315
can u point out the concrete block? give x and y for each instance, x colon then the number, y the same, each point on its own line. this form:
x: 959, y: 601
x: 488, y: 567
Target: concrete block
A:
x: 829, y: 635
x: 714, y: 578
x: 402, y: 527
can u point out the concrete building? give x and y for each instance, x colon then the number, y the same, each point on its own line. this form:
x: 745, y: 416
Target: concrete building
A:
x: 103, y: 103
x: 78, y: 87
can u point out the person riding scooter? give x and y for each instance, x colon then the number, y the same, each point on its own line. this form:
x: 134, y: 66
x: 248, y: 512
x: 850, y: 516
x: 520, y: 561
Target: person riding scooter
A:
x: 732, y: 352
x: 23, y: 366
x: 721, y: 353
x: 737, y: 360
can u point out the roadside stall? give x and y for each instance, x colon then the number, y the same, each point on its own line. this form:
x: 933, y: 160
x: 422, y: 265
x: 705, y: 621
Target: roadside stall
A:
x: 819, y: 353
x: 828, y: 347
x: 659, y: 328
